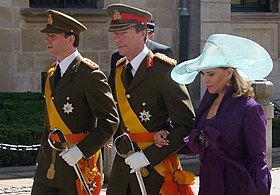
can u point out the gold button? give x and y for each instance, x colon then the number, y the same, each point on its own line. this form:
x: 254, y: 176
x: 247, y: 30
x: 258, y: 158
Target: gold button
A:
x: 44, y: 96
x: 143, y: 103
x: 52, y: 98
x: 127, y: 130
x: 67, y: 98
x: 128, y: 96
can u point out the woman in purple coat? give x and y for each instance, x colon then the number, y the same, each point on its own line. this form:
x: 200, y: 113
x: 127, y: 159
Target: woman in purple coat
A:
x: 229, y: 132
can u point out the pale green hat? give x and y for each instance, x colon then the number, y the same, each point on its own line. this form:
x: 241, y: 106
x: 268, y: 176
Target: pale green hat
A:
x: 222, y: 50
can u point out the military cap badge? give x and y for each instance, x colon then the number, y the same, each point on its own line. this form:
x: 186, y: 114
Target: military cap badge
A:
x: 117, y: 15
x: 50, y: 20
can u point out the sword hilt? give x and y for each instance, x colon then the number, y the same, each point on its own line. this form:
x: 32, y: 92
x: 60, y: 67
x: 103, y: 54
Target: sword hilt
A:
x: 60, y: 135
x: 76, y: 167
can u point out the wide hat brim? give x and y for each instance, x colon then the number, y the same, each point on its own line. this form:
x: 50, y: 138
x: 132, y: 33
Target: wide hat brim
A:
x: 221, y: 51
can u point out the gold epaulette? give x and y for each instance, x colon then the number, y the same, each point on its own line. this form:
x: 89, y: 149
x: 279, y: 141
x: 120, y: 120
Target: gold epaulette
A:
x: 165, y: 58
x: 120, y: 62
x: 89, y: 63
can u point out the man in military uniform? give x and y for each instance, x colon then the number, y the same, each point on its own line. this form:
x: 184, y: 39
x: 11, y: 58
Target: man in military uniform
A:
x: 148, y: 101
x: 80, y: 104
x: 151, y: 44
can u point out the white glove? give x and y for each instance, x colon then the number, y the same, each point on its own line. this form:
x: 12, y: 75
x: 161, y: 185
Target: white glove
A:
x: 72, y: 155
x: 136, y: 161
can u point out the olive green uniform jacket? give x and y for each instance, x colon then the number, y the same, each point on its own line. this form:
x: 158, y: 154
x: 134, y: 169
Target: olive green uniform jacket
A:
x: 85, y: 87
x: 152, y: 90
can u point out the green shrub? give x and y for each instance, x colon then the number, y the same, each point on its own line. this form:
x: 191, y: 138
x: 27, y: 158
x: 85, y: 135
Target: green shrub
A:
x: 275, y: 132
x: 21, y: 123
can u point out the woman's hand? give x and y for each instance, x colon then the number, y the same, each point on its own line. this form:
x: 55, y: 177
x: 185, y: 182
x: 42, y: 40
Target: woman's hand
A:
x: 160, y: 138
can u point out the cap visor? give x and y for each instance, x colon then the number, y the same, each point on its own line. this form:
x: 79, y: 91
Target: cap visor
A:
x: 114, y: 28
x: 49, y: 29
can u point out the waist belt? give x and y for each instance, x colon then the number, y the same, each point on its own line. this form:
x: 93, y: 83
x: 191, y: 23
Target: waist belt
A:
x: 70, y: 137
x: 141, y: 137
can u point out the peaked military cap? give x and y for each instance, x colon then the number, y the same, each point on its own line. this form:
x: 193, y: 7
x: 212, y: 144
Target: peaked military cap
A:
x: 125, y: 16
x: 59, y: 22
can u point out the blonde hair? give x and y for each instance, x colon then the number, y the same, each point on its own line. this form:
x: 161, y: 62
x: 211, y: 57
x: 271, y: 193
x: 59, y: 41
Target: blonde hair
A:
x: 241, y: 85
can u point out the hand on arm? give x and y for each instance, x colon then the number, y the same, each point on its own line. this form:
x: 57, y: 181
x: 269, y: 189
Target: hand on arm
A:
x: 160, y: 138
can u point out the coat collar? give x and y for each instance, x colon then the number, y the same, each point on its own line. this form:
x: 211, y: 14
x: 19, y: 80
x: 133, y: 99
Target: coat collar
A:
x: 208, y: 99
x: 141, y: 73
x: 67, y: 77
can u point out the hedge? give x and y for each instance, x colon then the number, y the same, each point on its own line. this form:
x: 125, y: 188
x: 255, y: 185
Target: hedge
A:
x: 276, y: 132
x: 21, y: 123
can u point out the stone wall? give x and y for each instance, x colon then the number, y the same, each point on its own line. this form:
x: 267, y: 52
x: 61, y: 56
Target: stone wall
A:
x: 262, y: 27
x: 23, y: 55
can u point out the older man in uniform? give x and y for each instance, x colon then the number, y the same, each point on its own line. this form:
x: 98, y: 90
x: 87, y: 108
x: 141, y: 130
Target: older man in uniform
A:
x: 154, y: 46
x: 151, y: 44
x: 79, y: 105
x: 148, y: 100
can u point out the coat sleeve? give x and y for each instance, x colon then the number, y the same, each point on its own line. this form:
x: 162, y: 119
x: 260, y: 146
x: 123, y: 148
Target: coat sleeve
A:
x: 181, y: 113
x: 103, y: 108
x: 255, y: 141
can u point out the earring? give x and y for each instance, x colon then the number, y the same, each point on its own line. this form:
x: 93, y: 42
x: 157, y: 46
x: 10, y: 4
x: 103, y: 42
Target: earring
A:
x: 228, y: 82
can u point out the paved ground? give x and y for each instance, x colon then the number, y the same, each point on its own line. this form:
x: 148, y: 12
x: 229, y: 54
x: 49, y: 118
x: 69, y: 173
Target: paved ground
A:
x: 18, y: 180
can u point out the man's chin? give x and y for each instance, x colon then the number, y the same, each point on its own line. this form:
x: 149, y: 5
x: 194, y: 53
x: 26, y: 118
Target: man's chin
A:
x: 121, y: 50
x: 50, y: 51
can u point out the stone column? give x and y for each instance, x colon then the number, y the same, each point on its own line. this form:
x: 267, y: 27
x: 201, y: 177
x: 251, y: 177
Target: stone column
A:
x: 263, y: 90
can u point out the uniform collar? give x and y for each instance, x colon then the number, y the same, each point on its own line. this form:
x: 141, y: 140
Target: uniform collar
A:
x: 64, y: 64
x: 135, y: 63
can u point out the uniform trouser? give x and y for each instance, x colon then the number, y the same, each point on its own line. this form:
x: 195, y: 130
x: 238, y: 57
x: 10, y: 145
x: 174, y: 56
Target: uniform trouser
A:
x: 39, y: 188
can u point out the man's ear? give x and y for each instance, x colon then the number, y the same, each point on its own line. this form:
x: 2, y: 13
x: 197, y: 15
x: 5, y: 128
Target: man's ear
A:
x: 144, y: 33
x: 72, y: 38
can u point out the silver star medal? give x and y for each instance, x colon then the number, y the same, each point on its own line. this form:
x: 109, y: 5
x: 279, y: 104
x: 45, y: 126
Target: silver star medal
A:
x: 68, y: 108
x: 145, y: 116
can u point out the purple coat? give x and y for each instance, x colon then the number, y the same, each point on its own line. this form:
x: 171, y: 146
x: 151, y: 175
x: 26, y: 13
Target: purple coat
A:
x: 232, y: 147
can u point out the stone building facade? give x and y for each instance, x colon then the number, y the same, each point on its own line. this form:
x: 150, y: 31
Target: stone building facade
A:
x: 24, y: 57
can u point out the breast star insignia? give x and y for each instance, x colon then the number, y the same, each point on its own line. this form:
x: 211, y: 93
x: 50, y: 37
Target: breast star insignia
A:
x: 145, y: 116
x: 68, y: 108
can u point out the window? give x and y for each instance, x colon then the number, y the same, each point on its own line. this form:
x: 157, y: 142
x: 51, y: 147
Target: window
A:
x: 249, y: 5
x: 63, y: 3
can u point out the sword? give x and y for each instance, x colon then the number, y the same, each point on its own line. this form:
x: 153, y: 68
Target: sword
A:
x: 76, y: 167
x: 126, y: 154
